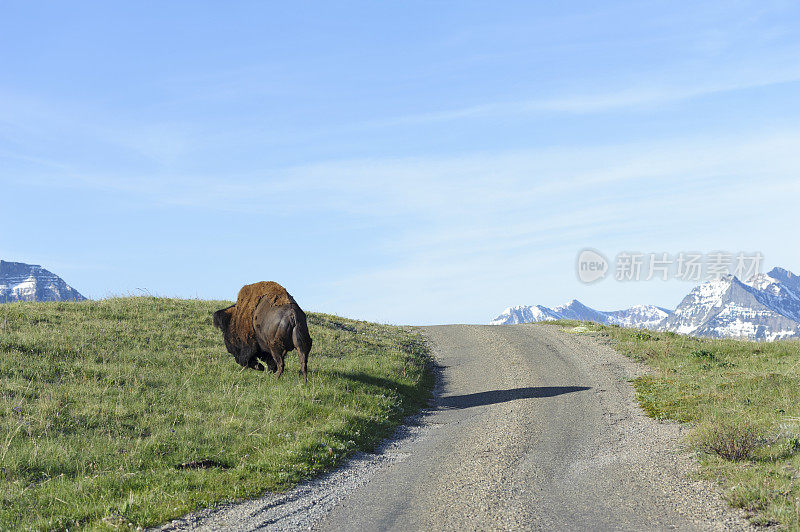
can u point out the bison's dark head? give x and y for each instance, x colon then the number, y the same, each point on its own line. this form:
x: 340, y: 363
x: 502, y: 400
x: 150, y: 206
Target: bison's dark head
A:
x: 222, y: 318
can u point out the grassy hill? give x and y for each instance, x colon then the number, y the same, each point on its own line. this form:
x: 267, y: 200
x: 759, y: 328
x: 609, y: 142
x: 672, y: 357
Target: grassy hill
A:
x: 743, y: 400
x: 130, y: 412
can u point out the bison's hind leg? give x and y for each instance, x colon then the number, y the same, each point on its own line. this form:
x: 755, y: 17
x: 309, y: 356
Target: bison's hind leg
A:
x: 302, y: 352
x: 278, y: 355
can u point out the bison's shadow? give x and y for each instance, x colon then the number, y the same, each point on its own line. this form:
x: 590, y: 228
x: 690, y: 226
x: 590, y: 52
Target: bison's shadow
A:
x: 469, y: 400
x: 502, y: 396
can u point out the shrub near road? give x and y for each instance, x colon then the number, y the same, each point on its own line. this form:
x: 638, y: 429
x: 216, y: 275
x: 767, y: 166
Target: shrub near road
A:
x: 743, y: 399
x: 130, y: 411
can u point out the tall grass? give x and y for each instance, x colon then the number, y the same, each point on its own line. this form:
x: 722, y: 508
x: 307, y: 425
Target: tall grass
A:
x: 129, y: 411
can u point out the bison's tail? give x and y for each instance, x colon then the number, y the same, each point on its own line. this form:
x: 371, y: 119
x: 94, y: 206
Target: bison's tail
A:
x: 302, y: 342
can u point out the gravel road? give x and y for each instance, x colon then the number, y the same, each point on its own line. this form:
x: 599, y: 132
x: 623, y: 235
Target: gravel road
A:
x: 533, y: 427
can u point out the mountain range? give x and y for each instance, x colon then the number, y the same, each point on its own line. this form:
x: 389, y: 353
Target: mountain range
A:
x: 764, y: 307
x: 31, y: 282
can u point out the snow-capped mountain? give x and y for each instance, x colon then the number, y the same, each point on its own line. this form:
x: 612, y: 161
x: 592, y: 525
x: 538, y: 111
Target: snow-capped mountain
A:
x: 779, y: 289
x: 575, y: 310
x: 30, y: 282
x: 525, y: 314
x: 638, y: 316
x: 765, y: 307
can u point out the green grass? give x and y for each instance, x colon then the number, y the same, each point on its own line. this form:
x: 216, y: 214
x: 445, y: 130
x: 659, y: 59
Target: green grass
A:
x: 108, y: 408
x: 743, y: 399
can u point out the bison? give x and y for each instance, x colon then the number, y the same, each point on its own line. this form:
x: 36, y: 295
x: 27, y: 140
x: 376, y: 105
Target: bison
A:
x: 264, y: 324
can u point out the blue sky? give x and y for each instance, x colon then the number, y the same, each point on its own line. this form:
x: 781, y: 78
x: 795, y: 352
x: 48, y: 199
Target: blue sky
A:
x: 406, y: 162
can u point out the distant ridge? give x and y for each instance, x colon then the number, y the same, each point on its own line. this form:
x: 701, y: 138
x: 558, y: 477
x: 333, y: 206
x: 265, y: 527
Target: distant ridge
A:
x: 765, y: 307
x: 31, y: 282
x: 641, y: 316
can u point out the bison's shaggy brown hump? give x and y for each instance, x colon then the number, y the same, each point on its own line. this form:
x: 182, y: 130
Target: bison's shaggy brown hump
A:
x: 249, y: 296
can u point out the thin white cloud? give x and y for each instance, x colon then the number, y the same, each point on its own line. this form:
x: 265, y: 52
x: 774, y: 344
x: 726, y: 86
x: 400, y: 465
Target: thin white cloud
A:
x: 475, y: 185
x: 634, y: 96
x: 471, y: 232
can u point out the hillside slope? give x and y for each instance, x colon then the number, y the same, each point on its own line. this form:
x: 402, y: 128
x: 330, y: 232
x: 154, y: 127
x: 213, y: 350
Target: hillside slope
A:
x: 131, y: 412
